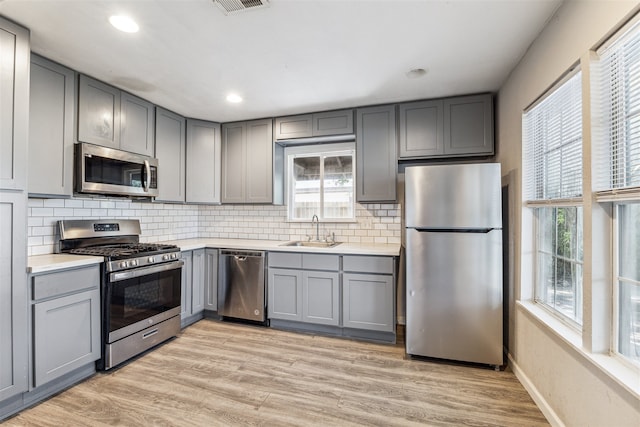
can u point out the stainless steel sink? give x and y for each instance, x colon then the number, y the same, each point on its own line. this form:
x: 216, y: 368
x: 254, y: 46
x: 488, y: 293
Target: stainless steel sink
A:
x: 312, y: 244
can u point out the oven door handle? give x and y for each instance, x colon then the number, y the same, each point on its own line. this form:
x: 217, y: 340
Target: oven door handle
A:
x: 130, y: 274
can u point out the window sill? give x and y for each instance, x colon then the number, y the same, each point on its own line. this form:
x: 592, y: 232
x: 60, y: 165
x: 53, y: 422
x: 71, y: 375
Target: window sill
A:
x: 625, y: 376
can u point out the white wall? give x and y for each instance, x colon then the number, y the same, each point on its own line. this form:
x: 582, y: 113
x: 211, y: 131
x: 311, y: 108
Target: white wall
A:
x: 564, y: 381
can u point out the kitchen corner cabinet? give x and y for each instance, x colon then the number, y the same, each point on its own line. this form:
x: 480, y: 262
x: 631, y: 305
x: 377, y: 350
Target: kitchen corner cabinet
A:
x: 192, y: 289
x: 171, y: 153
x: 326, y: 123
x: 113, y: 118
x: 304, y: 287
x: 66, y: 322
x: 51, y: 110
x: 376, y: 154
x: 203, y: 162
x: 211, y: 279
x: 14, y: 128
x: 451, y: 127
x: 368, y: 293
x: 247, y: 162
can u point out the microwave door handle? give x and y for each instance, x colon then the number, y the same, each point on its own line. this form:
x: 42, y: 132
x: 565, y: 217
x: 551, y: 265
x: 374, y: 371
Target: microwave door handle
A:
x: 147, y: 175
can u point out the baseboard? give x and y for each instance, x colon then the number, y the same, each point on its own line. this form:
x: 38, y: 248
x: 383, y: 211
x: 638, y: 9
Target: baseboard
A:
x: 539, y: 400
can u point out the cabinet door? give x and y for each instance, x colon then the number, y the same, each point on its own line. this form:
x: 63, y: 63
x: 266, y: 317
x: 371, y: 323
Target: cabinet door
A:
x: 203, y: 162
x: 98, y: 113
x: 421, y: 129
x: 66, y: 335
x: 187, y: 280
x: 333, y: 123
x: 259, y: 162
x: 197, y: 283
x: 294, y: 126
x: 170, y: 150
x: 14, y: 105
x: 136, y: 125
x: 376, y: 163
x: 51, y: 110
x: 285, y: 294
x: 13, y: 293
x: 468, y: 125
x: 211, y: 280
x: 233, y: 162
x: 368, y: 302
x: 321, y: 297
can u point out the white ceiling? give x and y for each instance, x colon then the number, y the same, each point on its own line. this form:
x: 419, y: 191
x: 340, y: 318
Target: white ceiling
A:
x: 292, y: 57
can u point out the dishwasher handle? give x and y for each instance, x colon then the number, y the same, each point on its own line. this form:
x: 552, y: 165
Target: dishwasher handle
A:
x: 241, y: 255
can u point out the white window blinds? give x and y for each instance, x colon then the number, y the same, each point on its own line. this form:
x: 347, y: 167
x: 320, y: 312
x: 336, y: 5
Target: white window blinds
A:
x: 617, y: 164
x: 552, y: 140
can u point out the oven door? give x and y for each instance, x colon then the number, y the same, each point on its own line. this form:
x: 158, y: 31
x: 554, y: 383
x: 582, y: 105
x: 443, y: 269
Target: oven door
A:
x: 103, y: 170
x: 138, y: 298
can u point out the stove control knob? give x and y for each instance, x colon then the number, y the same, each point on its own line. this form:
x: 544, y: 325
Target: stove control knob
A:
x: 124, y: 264
x: 150, y: 259
x: 173, y: 256
x: 134, y: 262
x: 165, y: 257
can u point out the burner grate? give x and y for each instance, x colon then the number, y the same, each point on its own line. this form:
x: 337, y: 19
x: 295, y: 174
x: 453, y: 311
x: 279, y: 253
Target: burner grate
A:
x: 121, y: 250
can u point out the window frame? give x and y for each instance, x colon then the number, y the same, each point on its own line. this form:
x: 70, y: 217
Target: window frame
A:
x: 320, y: 150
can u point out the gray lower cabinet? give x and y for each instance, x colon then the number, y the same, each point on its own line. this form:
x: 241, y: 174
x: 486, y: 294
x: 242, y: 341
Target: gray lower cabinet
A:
x: 203, y: 162
x: 247, y: 162
x: 376, y: 164
x: 284, y: 294
x: 368, y: 293
x: 192, y: 289
x: 321, y: 297
x: 211, y: 279
x: 326, y: 123
x: 51, y: 110
x: 171, y: 153
x: 112, y: 118
x: 450, y: 127
x: 66, y: 322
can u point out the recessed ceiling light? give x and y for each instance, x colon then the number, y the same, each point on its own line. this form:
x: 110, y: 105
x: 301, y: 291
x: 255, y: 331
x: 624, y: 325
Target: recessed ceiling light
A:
x: 416, y: 73
x: 232, y: 97
x: 124, y: 23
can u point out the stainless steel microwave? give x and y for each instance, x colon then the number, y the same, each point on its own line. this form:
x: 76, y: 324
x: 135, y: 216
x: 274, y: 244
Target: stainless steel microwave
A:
x: 102, y: 170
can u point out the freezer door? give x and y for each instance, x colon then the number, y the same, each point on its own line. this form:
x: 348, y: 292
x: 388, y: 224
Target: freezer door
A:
x: 454, y: 296
x: 453, y: 196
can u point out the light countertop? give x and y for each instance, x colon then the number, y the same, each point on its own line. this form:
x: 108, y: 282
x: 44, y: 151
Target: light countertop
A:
x: 52, y: 262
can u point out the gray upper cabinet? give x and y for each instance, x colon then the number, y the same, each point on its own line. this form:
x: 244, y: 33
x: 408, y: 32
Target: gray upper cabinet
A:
x: 421, y: 129
x: 451, y: 127
x: 376, y: 155
x: 171, y: 153
x: 468, y: 125
x: 13, y: 289
x: 247, y: 162
x: 327, y: 123
x: 112, y: 118
x: 66, y: 322
x: 14, y: 105
x: 203, y: 162
x: 51, y: 111
x: 98, y: 113
x: 136, y: 125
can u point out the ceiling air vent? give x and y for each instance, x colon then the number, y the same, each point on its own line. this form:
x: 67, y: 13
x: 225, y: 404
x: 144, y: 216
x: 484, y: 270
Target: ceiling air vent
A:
x: 231, y: 7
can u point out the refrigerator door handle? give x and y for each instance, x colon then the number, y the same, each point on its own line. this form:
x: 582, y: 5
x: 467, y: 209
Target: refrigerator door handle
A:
x: 456, y: 230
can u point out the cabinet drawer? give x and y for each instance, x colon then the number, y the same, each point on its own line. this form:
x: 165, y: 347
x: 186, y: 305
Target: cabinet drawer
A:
x: 368, y: 264
x: 284, y: 260
x: 321, y: 262
x: 63, y: 282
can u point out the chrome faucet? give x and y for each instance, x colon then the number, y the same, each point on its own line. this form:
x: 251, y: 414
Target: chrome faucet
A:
x: 315, y: 218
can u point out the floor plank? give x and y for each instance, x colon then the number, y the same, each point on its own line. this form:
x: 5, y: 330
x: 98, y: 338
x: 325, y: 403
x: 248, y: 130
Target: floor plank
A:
x: 225, y: 374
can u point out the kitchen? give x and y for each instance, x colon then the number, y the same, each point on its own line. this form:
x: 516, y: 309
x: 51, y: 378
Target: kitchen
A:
x: 564, y: 370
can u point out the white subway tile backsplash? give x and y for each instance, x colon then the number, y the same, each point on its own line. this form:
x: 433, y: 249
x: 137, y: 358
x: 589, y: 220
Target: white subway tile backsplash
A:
x: 379, y: 223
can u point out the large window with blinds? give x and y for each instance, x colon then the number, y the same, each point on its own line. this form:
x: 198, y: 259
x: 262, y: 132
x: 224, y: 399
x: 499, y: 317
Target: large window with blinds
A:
x: 552, y: 174
x: 617, y: 173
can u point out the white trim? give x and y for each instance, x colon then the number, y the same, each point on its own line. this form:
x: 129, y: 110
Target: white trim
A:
x: 618, y: 195
x: 537, y: 397
x: 560, y: 203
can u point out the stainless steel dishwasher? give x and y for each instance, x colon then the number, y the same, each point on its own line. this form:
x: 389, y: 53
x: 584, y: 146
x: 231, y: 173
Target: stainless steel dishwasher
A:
x: 241, y: 286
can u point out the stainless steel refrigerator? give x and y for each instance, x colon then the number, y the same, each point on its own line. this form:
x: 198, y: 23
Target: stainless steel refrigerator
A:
x: 453, y: 220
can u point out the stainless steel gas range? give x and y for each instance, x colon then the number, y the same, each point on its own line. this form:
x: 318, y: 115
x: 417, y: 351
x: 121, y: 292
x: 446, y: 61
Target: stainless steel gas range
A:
x: 140, y: 287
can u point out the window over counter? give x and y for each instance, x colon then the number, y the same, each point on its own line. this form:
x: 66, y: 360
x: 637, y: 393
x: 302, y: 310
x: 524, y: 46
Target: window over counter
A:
x: 552, y: 139
x: 321, y: 181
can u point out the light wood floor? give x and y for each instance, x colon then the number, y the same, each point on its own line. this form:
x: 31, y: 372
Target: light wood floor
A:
x: 222, y: 374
